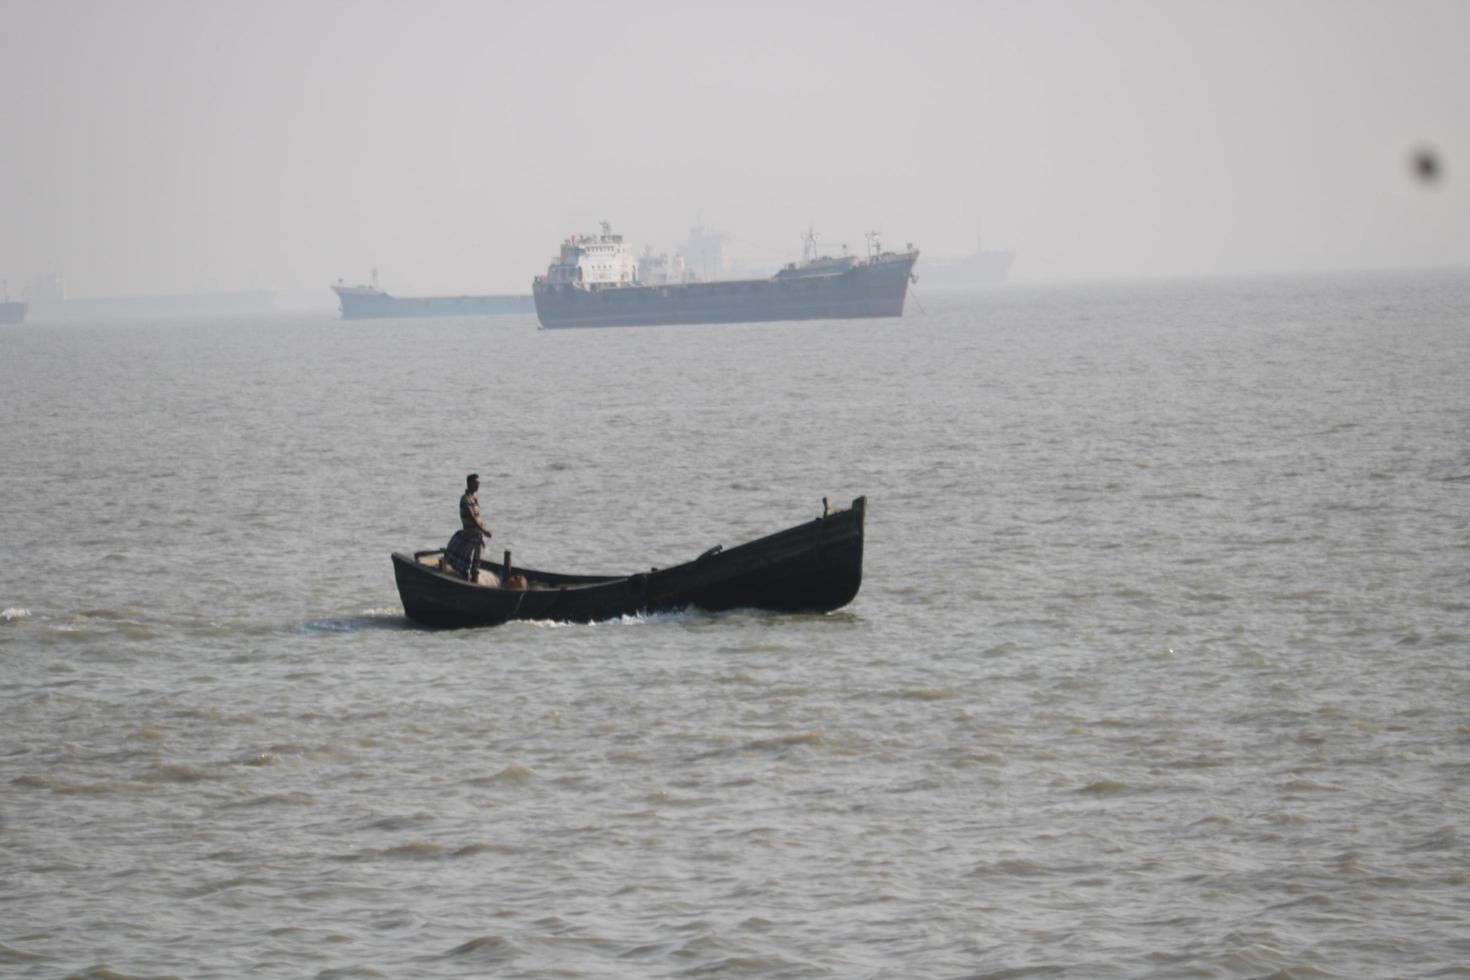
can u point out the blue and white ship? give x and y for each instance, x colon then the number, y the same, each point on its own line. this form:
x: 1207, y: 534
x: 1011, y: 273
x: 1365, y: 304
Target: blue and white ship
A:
x: 594, y: 282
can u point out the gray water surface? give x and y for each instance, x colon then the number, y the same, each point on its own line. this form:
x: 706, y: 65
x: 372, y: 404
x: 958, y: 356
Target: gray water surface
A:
x: 1158, y: 668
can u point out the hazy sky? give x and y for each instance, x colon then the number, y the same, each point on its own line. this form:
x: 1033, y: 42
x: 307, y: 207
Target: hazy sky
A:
x: 162, y: 146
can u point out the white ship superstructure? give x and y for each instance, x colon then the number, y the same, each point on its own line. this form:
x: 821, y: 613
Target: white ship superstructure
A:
x: 662, y: 269
x: 597, y: 261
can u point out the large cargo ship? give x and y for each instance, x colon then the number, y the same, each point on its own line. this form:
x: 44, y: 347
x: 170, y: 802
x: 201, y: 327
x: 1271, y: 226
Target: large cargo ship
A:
x: 984, y: 268
x: 594, y: 282
x: 11, y: 311
x: 369, y: 302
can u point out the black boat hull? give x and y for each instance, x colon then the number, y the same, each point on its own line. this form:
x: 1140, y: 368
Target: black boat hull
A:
x: 813, y: 567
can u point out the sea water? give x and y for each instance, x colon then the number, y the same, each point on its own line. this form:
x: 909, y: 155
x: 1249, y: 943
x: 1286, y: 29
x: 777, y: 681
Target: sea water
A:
x: 1158, y: 669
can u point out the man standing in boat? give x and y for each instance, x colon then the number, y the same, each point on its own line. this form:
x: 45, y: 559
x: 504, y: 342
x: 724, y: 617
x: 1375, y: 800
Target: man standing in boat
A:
x: 463, y: 552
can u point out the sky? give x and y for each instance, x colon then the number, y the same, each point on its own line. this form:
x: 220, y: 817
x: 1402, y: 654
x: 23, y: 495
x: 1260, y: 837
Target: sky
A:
x: 175, y: 146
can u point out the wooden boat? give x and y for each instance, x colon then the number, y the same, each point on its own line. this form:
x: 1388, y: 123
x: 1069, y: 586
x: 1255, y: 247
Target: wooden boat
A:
x: 812, y: 567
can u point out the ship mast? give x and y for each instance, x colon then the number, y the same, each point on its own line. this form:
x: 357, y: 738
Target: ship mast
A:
x: 809, y: 244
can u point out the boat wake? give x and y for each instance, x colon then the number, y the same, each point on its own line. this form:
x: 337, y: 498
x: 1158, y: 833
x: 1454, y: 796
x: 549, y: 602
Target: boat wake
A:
x: 694, y: 616
x: 642, y: 619
x: 385, y: 618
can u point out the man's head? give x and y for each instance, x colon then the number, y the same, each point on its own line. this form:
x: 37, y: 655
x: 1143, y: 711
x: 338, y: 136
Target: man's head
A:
x: 472, y: 482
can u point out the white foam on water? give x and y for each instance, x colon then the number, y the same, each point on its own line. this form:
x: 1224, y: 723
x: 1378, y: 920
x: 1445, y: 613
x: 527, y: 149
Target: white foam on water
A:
x: 640, y: 619
x: 376, y: 618
x: 14, y: 613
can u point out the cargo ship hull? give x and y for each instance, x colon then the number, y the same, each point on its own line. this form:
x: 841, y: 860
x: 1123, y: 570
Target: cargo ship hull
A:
x: 13, y: 312
x: 876, y: 288
x: 366, y: 303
